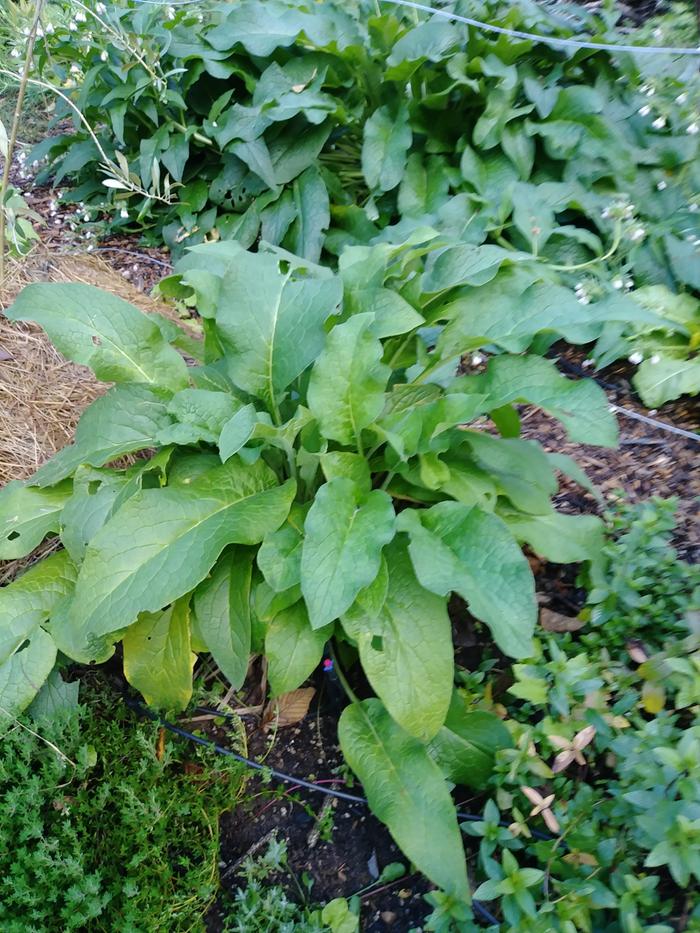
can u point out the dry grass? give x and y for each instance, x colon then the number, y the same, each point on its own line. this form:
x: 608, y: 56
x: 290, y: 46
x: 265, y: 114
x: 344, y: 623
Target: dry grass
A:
x: 41, y: 394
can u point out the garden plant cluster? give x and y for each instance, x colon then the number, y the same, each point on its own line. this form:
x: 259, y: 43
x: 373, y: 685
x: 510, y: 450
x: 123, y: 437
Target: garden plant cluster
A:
x: 384, y: 221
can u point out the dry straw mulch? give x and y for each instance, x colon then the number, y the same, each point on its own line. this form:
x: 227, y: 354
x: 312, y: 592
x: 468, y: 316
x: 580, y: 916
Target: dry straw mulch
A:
x: 41, y: 394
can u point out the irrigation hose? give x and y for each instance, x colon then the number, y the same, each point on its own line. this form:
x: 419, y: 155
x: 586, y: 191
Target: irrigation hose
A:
x: 143, y: 711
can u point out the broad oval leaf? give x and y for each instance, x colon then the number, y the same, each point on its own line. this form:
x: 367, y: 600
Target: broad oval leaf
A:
x: 93, y: 327
x: 157, y: 657
x: 466, y: 744
x: 28, y: 514
x: 562, y: 539
x: 458, y: 548
x: 407, y: 792
x: 126, y: 419
x: 344, y: 536
x: 385, y: 148
x: 161, y: 544
x: 346, y: 388
x: 279, y: 556
x: 293, y: 649
x: 24, y: 672
x: 271, y: 317
x: 29, y: 601
x: 406, y: 648
x: 222, y: 614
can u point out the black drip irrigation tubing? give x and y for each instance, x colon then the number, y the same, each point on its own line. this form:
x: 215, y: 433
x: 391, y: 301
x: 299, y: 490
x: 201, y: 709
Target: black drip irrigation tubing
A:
x: 141, y: 710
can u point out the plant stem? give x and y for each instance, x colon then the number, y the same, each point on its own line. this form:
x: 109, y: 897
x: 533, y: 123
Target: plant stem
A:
x: 352, y: 696
x: 12, y: 140
x: 591, y: 262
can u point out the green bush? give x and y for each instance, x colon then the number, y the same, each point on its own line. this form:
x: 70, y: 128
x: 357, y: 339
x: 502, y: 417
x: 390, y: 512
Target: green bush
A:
x: 315, y: 127
x: 97, y: 831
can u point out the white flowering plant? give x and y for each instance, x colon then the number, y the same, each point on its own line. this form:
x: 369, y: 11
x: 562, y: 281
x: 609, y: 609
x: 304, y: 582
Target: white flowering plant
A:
x: 318, y: 129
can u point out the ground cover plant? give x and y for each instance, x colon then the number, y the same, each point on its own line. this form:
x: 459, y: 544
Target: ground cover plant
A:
x: 105, y: 824
x: 318, y: 128
x: 336, y: 488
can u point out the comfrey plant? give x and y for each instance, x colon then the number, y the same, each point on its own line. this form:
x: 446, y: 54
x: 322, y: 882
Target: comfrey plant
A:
x: 322, y: 474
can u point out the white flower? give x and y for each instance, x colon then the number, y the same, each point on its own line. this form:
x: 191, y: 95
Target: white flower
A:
x: 636, y: 358
x: 15, y: 53
x: 655, y: 359
x: 477, y: 359
x: 661, y: 186
x: 75, y: 69
x: 124, y: 213
x: 72, y: 26
x: 659, y: 123
x: 645, y: 88
x: 693, y: 129
x: 637, y: 234
x: 694, y: 208
x: 170, y: 12
x: 86, y: 218
x: 605, y: 213
x: 104, y: 56
x: 49, y: 29
x: 658, y: 33
x: 584, y: 299
x: 90, y: 248
x: 618, y: 283
x: 645, y: 110
x: 80, y: 17
x: 100, y: 8
x: 682, y: 98
x: 587, y: 363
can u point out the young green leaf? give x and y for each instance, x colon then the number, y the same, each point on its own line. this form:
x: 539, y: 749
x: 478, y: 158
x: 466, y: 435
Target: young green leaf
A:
x: 222, y: 613
x: 662, y: 381
x: 98, y: 329
x: 23, y: 673
x: 407, y: 792
x: 466, y: 744
x: 344, y: 536
x: 292, y: 648
x: 28, y: 514
x: 157, y: 657
x: 384, y: 148
x: 346, y: 389
x: 459, y: 549
x: 562, y: 539
x: 312, y: 215
x: 279, y: 556
x: 406, y: 648
x: 236, y: 432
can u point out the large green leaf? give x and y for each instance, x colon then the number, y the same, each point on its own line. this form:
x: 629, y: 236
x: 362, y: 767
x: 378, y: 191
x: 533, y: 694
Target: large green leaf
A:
x: 157, y: 657
x: 346, y: 389
x: 458, y: 548
x: 279, y: 556
x: 271, y: 316
x: 580, y: 405
x: 95, y: 495
x: 562, y: 539
x: 98, y: 329
x: 200, y: 415
x: 161, y: 544
x: 126, y: 419
x: 386, y: 142
x: 466, y: 265
x: 312, y: 214
x: 466, y: 744
x: 406, y: 646
x: 406, y: 791
x: 28, y: 514
x: 24, y: 672
x: 293, y: 649
x: 345, y: 532
x: 661, y: 381
x: 29, y: 601
x: 222, y: 613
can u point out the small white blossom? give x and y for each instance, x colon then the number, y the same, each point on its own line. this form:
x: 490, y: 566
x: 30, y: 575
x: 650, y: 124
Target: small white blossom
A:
x: 477, y: 359
x: 73, y: 26
x: 618, y: 283
x: 658, y: 33
x: 636, y: 358
x: 584, y: 299
x: 80, y: 17
x: 645, y: 88
x: 645, y: 110
x: 170, y: 12
x: 693, y: 129
x: 124, y: 213
x: 655, y: 359
x: 49, y: 29
x: 100, y: 8
x: 90, y: 248
x: 659, y: 123
x: 15, y: 53
x: 104, y: 56
x: 682, y: 98
x: 75, y: 69
x: 637, y: 234
x: 694, y: 208
x: 605, y: 213
x: 661, y: 186
x: 587, y: 364
x: 86, y: 218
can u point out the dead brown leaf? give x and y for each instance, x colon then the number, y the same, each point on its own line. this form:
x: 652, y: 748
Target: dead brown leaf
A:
x: 556, y: 622
x: 288, y: 708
